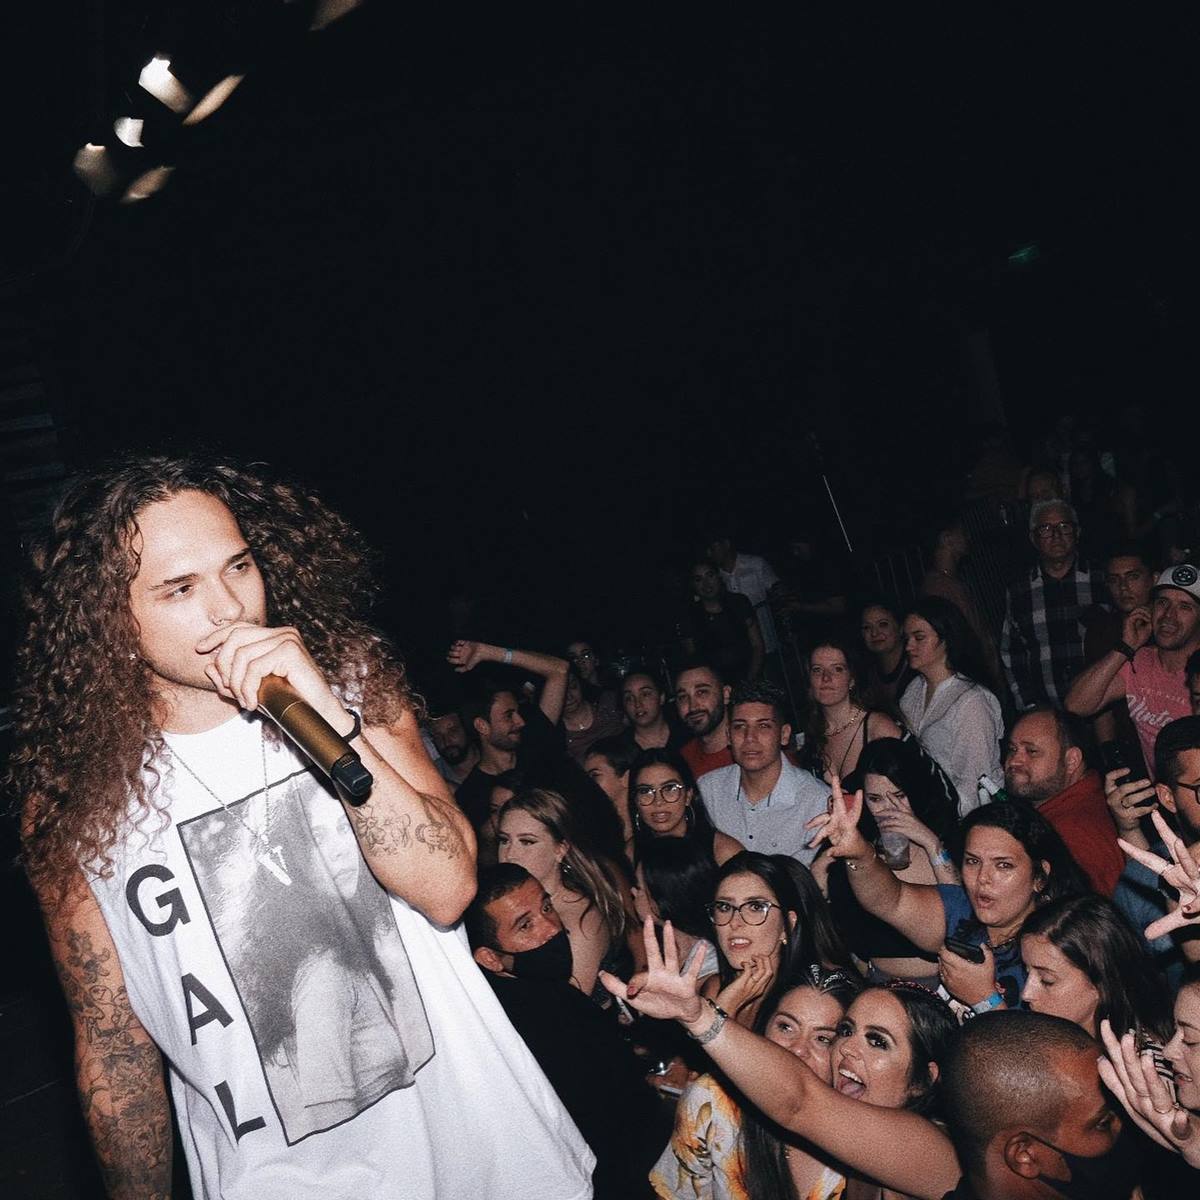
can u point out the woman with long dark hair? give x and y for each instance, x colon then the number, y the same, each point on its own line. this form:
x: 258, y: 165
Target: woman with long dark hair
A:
x: 955, y: 716
x: 888, y: 673
x: 841, y: 720
x: 1011, y: 862
x: 771, y: 922
x: 721, y: 627
x: 665, y: 802
x: 884, y: 1050
x: 1086, y: 964
x: 903, y: 801
x: 675, y: 881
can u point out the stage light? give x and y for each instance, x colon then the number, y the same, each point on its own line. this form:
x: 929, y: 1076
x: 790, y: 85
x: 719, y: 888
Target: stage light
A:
x: 129, y: 130
x: 156, y: 78
x: 94, y: 165
x: 147, y: 184
x: 213, y: 99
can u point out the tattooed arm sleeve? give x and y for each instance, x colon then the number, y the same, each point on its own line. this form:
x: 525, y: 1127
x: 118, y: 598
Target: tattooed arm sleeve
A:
x: 118, y: 1069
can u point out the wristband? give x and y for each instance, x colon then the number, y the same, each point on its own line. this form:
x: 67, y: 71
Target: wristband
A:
x: 995, y: 1000
x: 1126, y: 649
x: 507, y: 657
x: 719, y: 1019
x: 942, y: 858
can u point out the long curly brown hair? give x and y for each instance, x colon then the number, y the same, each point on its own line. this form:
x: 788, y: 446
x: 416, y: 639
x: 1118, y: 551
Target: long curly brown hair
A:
x: 86, y: 737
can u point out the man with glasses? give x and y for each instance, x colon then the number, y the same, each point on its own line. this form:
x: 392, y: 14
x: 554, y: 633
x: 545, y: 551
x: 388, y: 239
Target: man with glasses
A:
x: 1041, y: 645
x: 762, y: 800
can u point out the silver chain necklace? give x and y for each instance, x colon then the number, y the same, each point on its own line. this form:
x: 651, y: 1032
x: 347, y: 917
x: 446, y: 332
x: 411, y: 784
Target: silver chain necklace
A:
x: 265, y: 854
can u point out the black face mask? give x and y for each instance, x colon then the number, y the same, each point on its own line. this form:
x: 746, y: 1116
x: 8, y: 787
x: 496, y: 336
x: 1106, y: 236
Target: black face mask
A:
x: 550, y: 962
x: 1110, y: 1176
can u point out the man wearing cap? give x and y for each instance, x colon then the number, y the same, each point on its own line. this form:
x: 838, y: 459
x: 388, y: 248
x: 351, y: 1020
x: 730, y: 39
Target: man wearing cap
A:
x: 1149, y: 674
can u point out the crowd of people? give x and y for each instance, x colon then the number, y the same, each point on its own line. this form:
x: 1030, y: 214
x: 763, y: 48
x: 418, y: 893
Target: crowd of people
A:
x: 576, y: 942
x: 953, y: 874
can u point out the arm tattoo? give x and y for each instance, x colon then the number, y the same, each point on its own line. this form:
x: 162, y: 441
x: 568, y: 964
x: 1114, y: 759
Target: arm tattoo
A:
x: 119, y: 1074
x: 388, y: 833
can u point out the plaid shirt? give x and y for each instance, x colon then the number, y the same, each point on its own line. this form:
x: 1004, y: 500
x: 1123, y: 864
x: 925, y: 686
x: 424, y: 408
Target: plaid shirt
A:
x: 1041, y: 645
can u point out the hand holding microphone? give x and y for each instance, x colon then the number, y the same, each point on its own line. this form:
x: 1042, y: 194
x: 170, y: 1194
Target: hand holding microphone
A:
x: 248, y: 666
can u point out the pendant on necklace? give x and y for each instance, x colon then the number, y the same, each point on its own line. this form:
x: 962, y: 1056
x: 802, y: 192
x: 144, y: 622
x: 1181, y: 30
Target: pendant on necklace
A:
x: 271, y: 857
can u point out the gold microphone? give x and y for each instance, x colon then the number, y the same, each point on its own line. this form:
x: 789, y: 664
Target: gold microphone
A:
x: 316, y: 737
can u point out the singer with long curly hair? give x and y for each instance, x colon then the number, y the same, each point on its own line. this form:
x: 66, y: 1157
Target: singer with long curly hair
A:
x: 182, y: 851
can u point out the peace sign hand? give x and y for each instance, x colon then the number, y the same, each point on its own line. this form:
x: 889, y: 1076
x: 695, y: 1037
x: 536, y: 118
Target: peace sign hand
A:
x: 839, y: 826
x: 1181, y: 873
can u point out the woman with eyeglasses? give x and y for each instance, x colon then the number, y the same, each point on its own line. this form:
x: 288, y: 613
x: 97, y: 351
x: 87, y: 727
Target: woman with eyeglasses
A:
x: 771, y: 922
x: 665, y: 802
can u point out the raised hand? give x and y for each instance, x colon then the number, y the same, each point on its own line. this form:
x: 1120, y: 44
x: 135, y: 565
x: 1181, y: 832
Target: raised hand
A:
x: 839, y: 826
x: 1137, y: 627
x: 462, y: 656
x: 662, y: 990
x: 1134, y: 1080
x: 1181, y: 873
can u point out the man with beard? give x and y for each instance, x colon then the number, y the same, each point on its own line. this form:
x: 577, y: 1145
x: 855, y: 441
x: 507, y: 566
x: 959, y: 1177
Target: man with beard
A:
x: 1045, y: 765
x: 700, y: 700
x: 506, y: 736
x: 457, y: 754
x: 1138, y: 896
x: 519, y: 941
x: 1150, y: 677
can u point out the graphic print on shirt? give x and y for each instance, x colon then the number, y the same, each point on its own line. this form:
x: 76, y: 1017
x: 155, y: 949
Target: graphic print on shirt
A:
x: 312, y: 948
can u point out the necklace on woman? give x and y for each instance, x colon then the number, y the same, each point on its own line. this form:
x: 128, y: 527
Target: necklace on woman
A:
x: 265, y: 854
x: 856, y: 715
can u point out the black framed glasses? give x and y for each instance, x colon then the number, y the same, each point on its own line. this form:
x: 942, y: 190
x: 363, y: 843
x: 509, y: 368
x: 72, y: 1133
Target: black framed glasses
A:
x: 671, y: 792
x: 1194, y: 788
x: 753, y: 912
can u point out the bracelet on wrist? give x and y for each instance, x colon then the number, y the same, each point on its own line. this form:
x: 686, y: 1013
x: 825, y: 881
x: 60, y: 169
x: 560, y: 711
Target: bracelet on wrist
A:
x: 987, y: 1004
x: 941, y: 858
x: 507, y: 656
x: 1126, y: 649
x: 720, y: 1016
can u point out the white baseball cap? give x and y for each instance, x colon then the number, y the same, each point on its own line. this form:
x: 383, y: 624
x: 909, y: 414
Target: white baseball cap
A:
x: 1185, y: 577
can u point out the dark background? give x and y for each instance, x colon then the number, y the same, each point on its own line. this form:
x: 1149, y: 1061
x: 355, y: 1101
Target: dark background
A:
x: 528, y: 294
x: 531, y: 294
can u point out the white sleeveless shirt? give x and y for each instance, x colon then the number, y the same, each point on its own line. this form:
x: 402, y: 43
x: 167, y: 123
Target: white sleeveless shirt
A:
x: 324, y: 1039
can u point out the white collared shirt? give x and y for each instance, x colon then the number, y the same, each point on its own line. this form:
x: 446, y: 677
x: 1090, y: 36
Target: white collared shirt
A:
x: 961, y: 729
x: 775, y: 825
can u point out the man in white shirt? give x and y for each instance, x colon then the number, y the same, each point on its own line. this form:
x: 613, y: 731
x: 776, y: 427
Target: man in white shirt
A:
x: 751, y: 576
x: 762, y: 800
